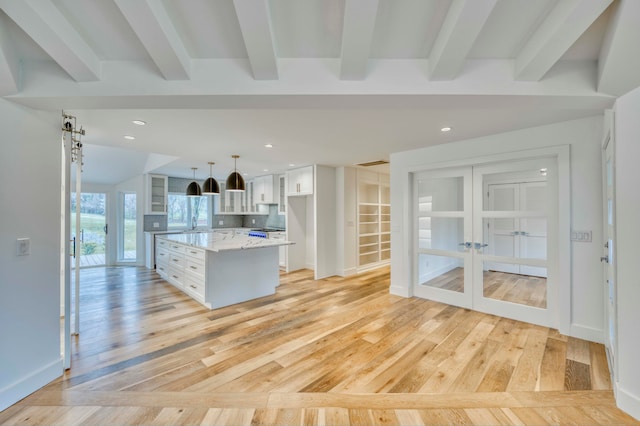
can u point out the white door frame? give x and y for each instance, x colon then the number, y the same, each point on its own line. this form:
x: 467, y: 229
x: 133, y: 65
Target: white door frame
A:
x: 609, y: 251
x: 560, y: 261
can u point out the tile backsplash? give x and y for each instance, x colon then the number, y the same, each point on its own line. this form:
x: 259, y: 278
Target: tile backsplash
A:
x: 151, y: 219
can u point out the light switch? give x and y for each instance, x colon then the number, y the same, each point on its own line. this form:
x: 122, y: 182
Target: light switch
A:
x: 156, y: 224
x: 220, y: 222
x: 23, y: 246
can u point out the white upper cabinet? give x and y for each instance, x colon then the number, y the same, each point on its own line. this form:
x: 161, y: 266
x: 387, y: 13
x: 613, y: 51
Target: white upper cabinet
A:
x: 300, y: 181
x: 157, y: 194
x: 230, y: 202
x: 263, y: 190
x: 282, y: 195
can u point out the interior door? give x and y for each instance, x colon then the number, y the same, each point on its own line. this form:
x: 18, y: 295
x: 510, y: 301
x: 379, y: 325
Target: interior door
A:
x: 609, y: 258
x: 443, y: 243
x: 510, y: 237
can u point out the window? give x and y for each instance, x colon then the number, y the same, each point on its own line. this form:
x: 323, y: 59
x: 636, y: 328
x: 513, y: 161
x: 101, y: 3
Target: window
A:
x: 128, y: 236
x: 182, y: 209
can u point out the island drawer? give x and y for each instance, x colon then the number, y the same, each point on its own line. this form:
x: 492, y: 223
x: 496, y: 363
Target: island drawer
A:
x: 195, y: 266
x: 176, y: 259
x: 162, y: 268
x: 162, y: 255
x: 161, y: 243
x: 195, y: 253
x: 178, y: 248
x: 194, y: 286
x: 176, y: 276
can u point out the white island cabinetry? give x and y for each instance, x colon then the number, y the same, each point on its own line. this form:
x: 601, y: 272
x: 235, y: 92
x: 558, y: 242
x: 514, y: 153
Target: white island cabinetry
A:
x: 219, y: 269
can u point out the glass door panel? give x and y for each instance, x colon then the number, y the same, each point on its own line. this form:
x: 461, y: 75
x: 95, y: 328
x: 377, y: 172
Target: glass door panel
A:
x: 90, y: 245
x: 128, y: 236
x: 511, y: 221
x: 443, y: 235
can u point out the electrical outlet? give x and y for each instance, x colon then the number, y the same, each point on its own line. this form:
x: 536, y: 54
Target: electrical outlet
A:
x: 220, y: 222
x: 581, y: 236
x: 156, y: 224
x: 253, y: 221
x: 23, y: 246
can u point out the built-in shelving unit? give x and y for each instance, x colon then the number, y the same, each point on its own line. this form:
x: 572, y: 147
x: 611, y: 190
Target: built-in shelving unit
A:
x: 374, y: 221
x: 157, y: 190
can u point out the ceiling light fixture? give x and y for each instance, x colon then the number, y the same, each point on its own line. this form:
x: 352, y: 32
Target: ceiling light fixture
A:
x: 291, y: 165
x: 211, y: 186
x: 139, y: 122
x: 193, y: 190
x: 268, y: 145
x: 445, y: 129
x: 235, y: 181
x: 129, y: 137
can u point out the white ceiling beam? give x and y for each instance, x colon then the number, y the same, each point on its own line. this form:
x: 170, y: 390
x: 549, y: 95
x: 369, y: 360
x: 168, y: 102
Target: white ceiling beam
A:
x: 464, y: 21
x: 357, y: 34
x: 255, y: 23
x: 619, y: 62
x: 566, y: 22
x: 9, y: 63
x: 49, y: 28
x: 151, y: 23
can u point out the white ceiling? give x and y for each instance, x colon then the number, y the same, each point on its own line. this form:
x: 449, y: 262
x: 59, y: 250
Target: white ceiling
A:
x: 335, y: 82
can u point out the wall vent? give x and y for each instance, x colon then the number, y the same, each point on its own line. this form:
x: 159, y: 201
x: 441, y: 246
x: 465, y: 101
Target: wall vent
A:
x: 373, y: 163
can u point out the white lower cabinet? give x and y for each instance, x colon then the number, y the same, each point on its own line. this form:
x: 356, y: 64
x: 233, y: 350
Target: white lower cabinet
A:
x: 183, y: 267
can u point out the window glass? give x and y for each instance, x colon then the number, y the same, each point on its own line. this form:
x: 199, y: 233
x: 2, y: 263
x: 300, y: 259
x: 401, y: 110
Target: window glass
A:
x: 182, y: 209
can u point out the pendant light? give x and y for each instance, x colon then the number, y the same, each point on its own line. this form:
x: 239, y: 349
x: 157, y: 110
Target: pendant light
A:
x: 235, y: 182
x: 210, y: 186
x: 193, y: 190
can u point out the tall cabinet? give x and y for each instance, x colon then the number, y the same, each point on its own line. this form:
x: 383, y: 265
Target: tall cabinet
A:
x: 374, y: 220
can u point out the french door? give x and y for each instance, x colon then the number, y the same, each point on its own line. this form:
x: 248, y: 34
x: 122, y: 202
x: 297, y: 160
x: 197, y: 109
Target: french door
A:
x: 483, y: 237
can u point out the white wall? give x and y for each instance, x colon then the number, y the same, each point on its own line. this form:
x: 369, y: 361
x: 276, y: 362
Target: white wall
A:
x: 30, y: 158
x: 324, y: 195
x: 627, y: 174
x: 584, y: 137
x: 346, y: 219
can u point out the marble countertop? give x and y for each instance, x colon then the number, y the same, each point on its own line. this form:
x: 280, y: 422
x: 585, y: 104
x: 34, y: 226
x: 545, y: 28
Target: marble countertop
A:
x: 217, y: 242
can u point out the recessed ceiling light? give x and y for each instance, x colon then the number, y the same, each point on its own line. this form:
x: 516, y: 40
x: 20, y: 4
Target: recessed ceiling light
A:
x: 268, y: 145
x: 291, y: 165
x: 139, y: 122
x: 129, y: 137
x: 445, y: 129
x: 265, y: 170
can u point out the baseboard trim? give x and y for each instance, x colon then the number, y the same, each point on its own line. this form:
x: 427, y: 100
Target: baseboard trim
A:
x: 399, y: 291
x: 628, y: 402
x: 29, y: 384
x: 587, y: 333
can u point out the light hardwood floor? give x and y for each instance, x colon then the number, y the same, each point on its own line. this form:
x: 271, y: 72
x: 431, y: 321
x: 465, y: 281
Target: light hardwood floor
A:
x: 516, y: 288
x: 336, y: 351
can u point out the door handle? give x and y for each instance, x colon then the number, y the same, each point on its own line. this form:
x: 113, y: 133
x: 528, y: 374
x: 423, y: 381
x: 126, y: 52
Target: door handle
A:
x: 604, y: 259
x: 466, y: 244
x: 106, y: 229
x: 479, y: 246
x: 73, y: 240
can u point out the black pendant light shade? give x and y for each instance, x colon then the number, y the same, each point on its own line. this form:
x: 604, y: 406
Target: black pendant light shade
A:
x: 235, y: 181
x: 193, y: 190
x: 210, y: 185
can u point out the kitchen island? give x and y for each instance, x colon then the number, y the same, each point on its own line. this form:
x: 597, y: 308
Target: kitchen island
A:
x: 219, y: 269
